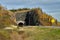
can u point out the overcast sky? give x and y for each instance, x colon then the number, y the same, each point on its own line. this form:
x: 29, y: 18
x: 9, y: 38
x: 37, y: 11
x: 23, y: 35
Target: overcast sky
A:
x: 51, y: 7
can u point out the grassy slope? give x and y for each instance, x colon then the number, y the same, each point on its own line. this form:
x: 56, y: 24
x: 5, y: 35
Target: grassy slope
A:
x: 4, y: 35
x: 36, y: 33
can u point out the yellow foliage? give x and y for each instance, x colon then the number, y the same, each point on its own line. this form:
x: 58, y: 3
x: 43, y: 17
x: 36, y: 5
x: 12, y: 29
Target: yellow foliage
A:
x: 53, y: 20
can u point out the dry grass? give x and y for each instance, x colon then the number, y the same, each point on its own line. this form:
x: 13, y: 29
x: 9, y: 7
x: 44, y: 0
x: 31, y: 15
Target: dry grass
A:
x: 38, y: 33
x: 33, y: 33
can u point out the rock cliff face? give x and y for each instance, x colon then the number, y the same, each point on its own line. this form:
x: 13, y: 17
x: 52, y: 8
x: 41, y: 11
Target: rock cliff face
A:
x: 35, y: 17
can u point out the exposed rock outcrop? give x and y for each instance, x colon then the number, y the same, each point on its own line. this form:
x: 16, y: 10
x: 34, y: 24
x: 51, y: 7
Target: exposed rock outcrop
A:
x: 35, y: 17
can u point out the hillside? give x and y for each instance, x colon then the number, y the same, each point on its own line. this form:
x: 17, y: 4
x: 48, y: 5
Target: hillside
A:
x: 37, y: 25
x: 6, y: 17
x: 35, y: 17
x: 31, y: 17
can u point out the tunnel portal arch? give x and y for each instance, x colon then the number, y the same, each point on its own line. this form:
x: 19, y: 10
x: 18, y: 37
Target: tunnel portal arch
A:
x: 20, y: 23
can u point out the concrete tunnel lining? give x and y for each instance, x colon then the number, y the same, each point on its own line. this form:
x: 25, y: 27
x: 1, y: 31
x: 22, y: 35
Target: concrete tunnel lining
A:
x: 20, y: 23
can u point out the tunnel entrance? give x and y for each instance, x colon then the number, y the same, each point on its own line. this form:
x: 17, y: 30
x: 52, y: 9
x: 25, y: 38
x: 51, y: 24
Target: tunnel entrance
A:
x: 28, y: 19
x: 20, y: 24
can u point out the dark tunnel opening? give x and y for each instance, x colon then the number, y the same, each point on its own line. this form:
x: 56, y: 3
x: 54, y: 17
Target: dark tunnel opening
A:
x: 20, y: 24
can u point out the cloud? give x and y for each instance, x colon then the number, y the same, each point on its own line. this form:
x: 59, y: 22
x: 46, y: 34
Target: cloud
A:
x: 28, y: 1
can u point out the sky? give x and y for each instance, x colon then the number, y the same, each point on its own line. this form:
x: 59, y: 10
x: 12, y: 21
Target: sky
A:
x: 51, y: 7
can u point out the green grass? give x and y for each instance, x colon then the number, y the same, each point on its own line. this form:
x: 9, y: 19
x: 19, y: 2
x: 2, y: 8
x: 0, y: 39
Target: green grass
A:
x: 4, y: 35
x: 38, y: 33
x: 34, y: 33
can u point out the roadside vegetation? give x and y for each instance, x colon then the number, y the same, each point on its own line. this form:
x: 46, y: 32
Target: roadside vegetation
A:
x: 38, y: 33
x: 4, y: 35
x: 31, y: 33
